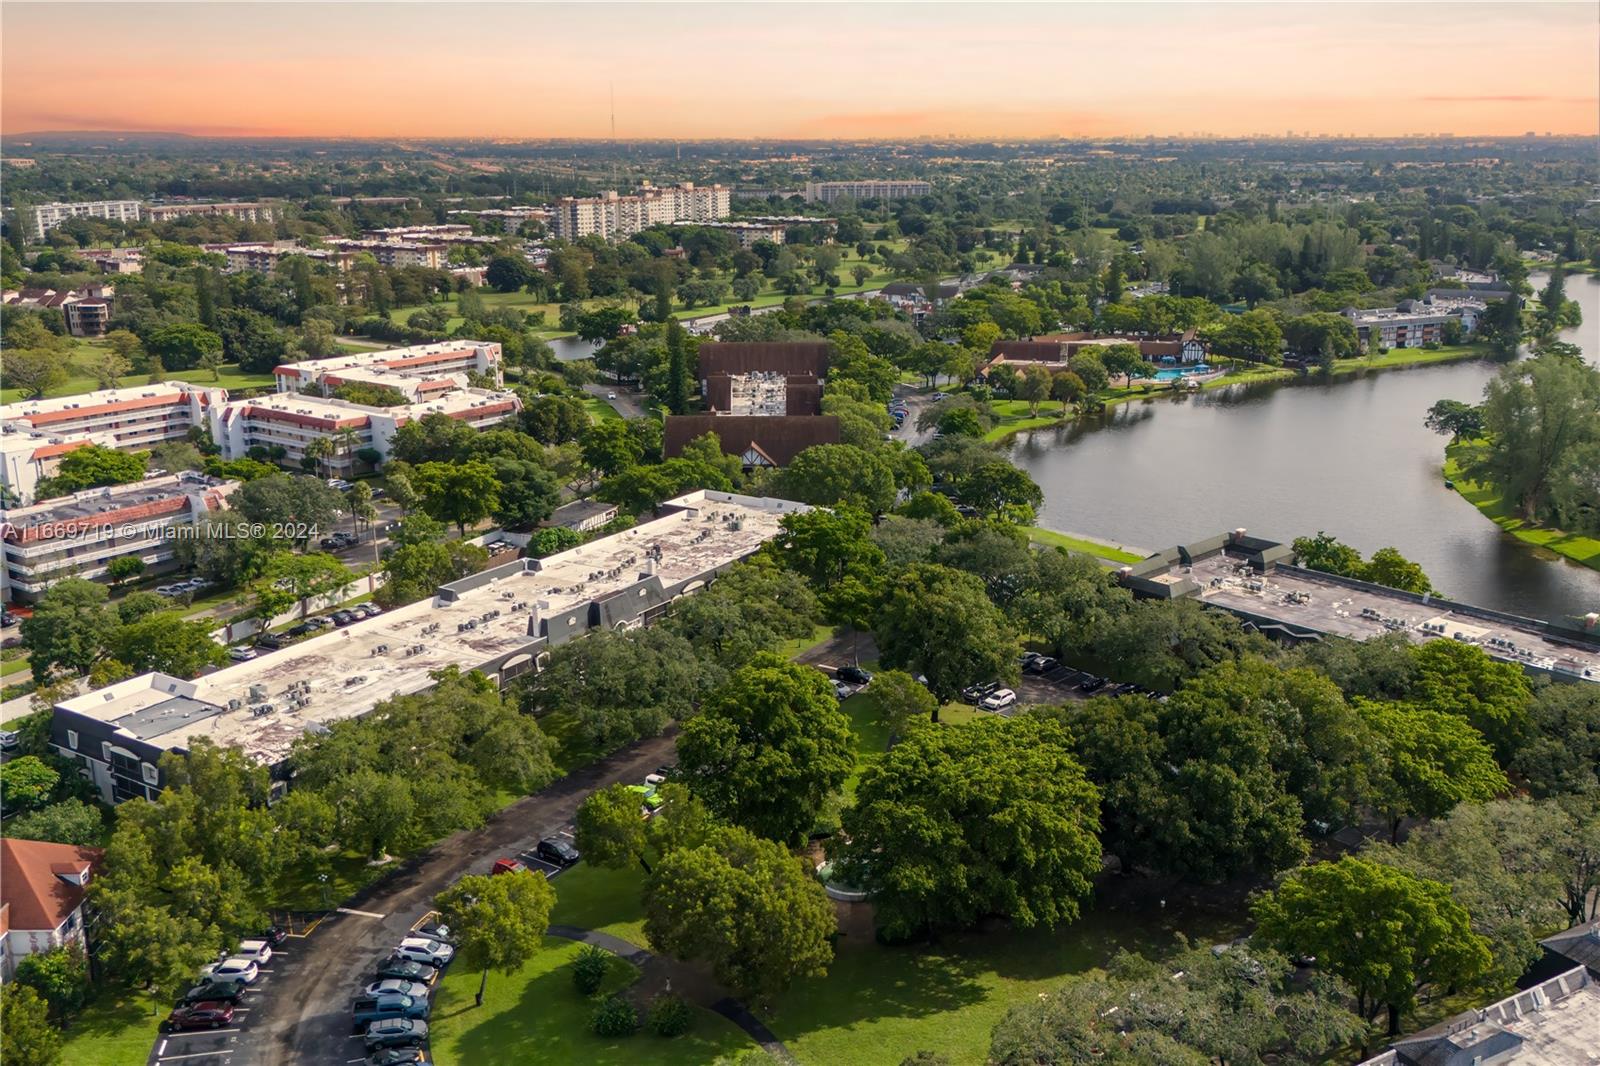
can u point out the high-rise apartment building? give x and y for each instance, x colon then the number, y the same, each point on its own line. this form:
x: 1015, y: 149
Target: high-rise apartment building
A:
x: 615, y: 216
x: 828, y: 191
x: 46, y: 217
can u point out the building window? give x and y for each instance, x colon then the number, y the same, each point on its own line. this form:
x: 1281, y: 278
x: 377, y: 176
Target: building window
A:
x: 72, y: 739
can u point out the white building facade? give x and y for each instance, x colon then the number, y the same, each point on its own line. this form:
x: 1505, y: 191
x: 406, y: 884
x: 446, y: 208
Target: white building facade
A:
x: 45, y: 217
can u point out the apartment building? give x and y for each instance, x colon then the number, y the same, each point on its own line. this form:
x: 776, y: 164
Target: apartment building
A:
x: 86, y: 311
x: 502, y: 621
x: 616, y: 216
x: 132, y: 419
x: 826, y: 192
x: 43, y: 889
x: 421, y: 361
x: 244, y: 212
x: 510, y: 219
x: 28, y: 454
x: 1415, y: 323
x: 748, y: 233
x: 263, y: 258
x: 79, y: 535
x: 395, y: 253
x: 292, y: 420
x: 43, y: 218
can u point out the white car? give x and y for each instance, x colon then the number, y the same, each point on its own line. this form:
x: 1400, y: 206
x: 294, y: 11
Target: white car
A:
x: 397, y: 986
x: 999, y: 700
x: 611, y: 396
x: 9, y: 739
x: 257, y: 950
x: 425, y: 949
x: 234, y: 970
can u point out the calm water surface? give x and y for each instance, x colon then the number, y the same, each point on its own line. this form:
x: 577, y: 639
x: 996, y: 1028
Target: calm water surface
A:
x: 1350, y: 457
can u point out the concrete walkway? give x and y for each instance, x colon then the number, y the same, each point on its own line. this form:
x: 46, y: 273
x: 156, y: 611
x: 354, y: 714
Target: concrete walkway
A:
x: 654, y: 965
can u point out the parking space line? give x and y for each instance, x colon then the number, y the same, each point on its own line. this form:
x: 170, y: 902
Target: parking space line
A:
x: 206, y: 1032
x: 363, y: 914
x: 197, y: 1055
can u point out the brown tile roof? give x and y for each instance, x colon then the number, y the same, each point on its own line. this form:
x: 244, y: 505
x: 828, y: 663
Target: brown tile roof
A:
x: 1027, y: 351
x: 44, y: 418
x: 778, y: 437
x: 35, y: 896
x: 785, y: 357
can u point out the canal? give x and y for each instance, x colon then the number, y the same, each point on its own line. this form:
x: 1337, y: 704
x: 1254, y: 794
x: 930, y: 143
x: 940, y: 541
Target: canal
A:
x: 1284, y: 460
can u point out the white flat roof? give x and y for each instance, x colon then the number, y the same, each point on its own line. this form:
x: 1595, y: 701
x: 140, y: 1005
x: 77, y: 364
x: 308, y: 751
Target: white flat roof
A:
x: 347, y: 676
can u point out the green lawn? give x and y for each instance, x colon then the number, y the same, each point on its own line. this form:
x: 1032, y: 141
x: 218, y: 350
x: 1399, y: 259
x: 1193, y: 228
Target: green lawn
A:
x: 1574, y: 546
x: 535, y: 1015
x: 592, y: 897
x: 299, y: 890
x: 600, y: 411
x: 116, y: 1030
x: 80, y: 379
x: 791, y: 648
x: 1077, y: 544
x: 1396, y: 357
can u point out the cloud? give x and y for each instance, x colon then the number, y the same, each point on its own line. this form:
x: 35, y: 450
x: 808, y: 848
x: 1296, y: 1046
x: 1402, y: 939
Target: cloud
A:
x: 1508, y: 99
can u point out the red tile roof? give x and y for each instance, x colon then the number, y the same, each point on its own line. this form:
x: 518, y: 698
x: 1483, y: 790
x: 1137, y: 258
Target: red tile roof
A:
x: 46, y: 417
x: 53, y: 529
x: 35, y: 896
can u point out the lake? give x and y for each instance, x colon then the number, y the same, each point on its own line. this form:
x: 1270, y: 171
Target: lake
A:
x: 1351, y: 457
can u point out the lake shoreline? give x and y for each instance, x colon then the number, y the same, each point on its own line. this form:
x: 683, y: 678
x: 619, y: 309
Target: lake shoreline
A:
x: 1574, y: 547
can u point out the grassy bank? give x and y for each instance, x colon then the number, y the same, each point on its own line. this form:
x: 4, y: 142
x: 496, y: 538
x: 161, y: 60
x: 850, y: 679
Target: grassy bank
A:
x: 1078, y: 544
x: 1408, y: 357
x: 80, y: 375
x: 1488, y: 501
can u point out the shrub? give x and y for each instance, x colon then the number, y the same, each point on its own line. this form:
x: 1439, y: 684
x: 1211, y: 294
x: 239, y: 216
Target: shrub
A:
x: 589, y: 969
x: 670, y: 1015
x: 614, y: 1017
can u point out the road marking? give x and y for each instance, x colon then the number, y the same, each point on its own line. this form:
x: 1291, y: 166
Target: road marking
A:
x: 161, y: 1047
x: 362, y: 914
x: 198, y: 1055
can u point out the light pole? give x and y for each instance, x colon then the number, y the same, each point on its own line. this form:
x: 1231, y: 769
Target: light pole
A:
x: 323, y: 878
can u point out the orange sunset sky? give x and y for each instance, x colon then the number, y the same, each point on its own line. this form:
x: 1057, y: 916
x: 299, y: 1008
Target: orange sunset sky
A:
x: 800, y: 71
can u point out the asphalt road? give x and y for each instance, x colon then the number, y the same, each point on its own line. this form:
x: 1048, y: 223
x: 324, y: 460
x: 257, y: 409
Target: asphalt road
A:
x: 302, y: 1013
x: 625, y: 404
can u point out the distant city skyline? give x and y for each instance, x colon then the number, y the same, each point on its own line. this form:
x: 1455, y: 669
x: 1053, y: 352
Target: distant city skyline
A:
x: 816, y: 71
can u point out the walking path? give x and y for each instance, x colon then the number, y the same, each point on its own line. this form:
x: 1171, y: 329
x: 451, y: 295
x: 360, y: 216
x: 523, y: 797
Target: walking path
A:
x: 658, y: 965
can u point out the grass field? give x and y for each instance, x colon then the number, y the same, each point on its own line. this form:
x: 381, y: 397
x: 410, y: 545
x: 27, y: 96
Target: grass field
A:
x: 1078, y: 544
x: 116, y: 1030
x: 591, y: 897
x: 1574, y: 546
x: 536, y: 1015
x: 1398, y: 357
x: 80, y: 378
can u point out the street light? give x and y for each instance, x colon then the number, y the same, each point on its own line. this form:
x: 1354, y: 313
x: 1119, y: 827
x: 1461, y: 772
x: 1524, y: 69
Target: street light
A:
x: 324, y: 879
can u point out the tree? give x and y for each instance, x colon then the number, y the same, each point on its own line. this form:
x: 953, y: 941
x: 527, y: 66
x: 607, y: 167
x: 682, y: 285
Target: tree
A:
x: 961, y: 822
x: 91, y: 467
x: 619, y: 687
x: 1389, y: 568
x: 69, y: 628
x: 827, y: 474
x: 745, y: 906
x: 1560, y: 755
x: 609, y: 830
x: 35, y: 371
x: 1535, y: 412
x: 604, y: 323
x: 60, y: 976
x: 1461, y: 679
x: 1033, y: 385
x: 1510, y: 864
x: 900, y: 701
x: 680, y: 381
x: 299, y: 505
x: 109, y: 367
x: 527, y: 493
x: 609, y: 447
x: 1066, y: 388
x: 1091, y: 371
x: 1385, y: 932
x: 71, y: 821
x: 997, y: 485
x: 1461, y: 421
x: 768, y: 748
x: 1124, y: 360
x: 553, y: 419
x: 1431, y: 761
x: 498, y: 923
x: 168, y: 643
x: 940, y: 623
x: 1254, y: 335
x: 825, y: 545
x: 462, y: 493
x: 297, y: 579
x: 179, y: 346
x: 507, y: 273
x: 31, y: 1039
x: 26, y: 783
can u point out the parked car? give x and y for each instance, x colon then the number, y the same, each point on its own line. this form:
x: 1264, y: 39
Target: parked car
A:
x: 1042, y: 665
x: 507, y: 866
x: 275, y: 935
x: 368, y: 1009
x: 396, y: 986
x: 343, y: 618
x: 557, y: 851
x: 427, y: 950
x: 171, y: 590
x: 395, y: 1032
x: 256, y: 949
x: 242, y: 654
x: 207, y: 1014
x: 842, y: 691
x: 407, y: 970
x: 7, y: 619
x: 271, y: 641
x: 853, y: 674
x: 649, y: 799
x: 235, y: 969
x: 300, y: 629
x: 1091, y: 684
x: 9, y: 739
x: 998, y: 700
x: 225, y: 992
x: 975, y: 694
x: 1027, y: 659
x: 398, y: 1056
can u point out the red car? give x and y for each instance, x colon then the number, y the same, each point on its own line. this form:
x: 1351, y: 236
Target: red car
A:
x: 207, y: 1014
x: 507, y: 866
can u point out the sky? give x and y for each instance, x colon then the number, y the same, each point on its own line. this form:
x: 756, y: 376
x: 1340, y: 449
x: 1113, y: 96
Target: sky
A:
x: 818, y: 70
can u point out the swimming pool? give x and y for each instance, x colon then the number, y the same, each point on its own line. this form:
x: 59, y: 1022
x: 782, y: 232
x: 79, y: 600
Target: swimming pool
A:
x: 1175, y: 374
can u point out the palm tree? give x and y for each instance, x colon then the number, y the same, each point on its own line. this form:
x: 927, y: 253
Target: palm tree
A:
x: 319, y: 451
x: 346, y: 440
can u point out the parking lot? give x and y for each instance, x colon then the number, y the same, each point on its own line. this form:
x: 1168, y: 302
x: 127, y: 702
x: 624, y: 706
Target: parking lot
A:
x: 233, y: 1044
